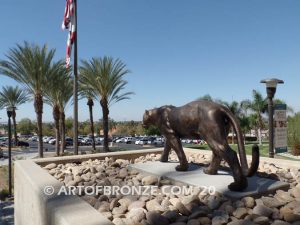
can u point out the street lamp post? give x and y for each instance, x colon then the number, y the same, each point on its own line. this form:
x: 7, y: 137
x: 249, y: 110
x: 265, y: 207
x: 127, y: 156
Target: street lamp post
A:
x: 9, y: 114
x: 271, y: 85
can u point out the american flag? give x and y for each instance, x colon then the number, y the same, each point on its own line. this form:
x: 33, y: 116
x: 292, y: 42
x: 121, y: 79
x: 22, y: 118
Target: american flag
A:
x: 69, y: 23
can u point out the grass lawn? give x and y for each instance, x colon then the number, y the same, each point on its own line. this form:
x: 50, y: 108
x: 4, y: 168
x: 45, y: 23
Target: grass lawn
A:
x: 263, y: 149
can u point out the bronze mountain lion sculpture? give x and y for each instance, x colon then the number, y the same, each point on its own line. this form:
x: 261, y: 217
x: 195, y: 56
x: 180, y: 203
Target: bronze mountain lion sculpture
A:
x: 211, y: 122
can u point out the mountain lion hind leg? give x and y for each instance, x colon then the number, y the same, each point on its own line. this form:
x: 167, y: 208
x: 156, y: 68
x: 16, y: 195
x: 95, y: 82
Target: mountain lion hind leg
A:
x: 222, y: 149
x: 213, y: 167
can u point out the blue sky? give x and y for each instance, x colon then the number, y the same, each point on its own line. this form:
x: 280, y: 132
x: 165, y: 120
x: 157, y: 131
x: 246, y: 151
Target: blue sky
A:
x: 177, y: 50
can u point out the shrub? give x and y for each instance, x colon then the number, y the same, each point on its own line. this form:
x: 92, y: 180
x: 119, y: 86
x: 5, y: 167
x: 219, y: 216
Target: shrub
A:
x: 4, y: 194
x: 294, y: 133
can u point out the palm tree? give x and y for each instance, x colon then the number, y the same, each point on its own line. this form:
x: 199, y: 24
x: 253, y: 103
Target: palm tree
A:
x: 86, y: 92
x: 65, y: 96
x: 259, y: 106
x: 235, y: 108
x: 55, y: 87
x: 105, y: 78
x: 30, y: 65
x: 13, y: 97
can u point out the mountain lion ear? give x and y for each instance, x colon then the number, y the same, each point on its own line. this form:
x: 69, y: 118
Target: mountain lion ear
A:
x: 146, y: 112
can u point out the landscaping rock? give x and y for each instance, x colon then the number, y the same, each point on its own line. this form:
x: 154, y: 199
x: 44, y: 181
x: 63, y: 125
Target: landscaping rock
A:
x: 249, y: 202
x: 155, y: 218
x: 262, y: 210
x: 136, y: 204
x: 149, y: 180
x: 240, y: 213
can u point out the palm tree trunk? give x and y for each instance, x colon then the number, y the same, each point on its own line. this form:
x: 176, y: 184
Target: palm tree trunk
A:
x: 232, y: 131
x: 56, y: 125
x: 38, y: 106
x: 15, y: 127
x: 62, y: 132
x: 105, y: 112
x: 90, y: 103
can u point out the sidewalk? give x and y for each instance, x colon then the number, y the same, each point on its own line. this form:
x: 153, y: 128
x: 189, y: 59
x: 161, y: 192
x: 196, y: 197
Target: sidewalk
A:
x: 6, y: 213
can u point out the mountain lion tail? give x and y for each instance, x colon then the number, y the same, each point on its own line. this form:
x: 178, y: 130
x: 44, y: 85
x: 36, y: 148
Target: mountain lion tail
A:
x: 241, y: 148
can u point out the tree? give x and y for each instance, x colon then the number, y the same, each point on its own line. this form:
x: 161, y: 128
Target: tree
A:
x: 65, y: 95
x: 257, y: 105
x: 30, y: 65
x: 86, y: 92
x: 53, y: 95
x: 25, y: 126
x: 294, y: 133
x: 152, y: 130
x: 105, y: 78
x: 13, y: 97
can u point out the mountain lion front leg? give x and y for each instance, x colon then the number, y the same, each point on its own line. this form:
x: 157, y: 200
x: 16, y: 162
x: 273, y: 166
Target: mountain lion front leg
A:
x: 175, y: 143
x: 166, y: 152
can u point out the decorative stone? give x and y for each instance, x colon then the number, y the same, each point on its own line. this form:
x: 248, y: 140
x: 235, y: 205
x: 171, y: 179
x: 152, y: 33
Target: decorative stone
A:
x: 108, y: 215
x: 213, y: 202
x: 240, y: 213
x: 50, y: 166
x: 155, y: 218
x: 137, y: 214
x: 204, y: 220
x: 154, y: 205
x: 262, y: 210
x: 103, y: 207
x: 283, y: 196
x: 90, y: 199
x: 262, y: 220
x: 136, y: 204
x: 280, y: 222
x: 193, y: 222
x: 179, y: 206
x: 123, y: 173
x: 119, y: 210
x: 125, y: 202
x: 114, y: 203
x: 219, y: 220
x: 271, y: 202
x: 172, y: 215
x: 290, y: 215
x: 197, y: 214
x: 296, y: 192
x: 119, y: 221
x: 149, y: 180
x: 249, y: 202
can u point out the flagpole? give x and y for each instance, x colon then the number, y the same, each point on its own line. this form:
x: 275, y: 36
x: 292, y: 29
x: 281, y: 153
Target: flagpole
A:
x: 75, y: 88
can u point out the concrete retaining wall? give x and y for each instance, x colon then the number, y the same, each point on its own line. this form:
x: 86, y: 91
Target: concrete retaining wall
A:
x: 34, y: 207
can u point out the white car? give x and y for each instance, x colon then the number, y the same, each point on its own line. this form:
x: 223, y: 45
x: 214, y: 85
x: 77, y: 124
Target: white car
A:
x: 142, y: 141
x: 121, y: 140
x: 52, y: 141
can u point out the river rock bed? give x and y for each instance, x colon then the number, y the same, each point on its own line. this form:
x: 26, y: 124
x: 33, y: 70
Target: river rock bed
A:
x: 280, y: 208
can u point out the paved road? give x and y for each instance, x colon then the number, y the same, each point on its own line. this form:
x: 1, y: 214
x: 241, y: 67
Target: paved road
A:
x: 32, y: 151
x: 6, y: 213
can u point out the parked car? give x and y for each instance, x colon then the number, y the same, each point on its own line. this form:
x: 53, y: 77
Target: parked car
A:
x: 87, y: 141
x: 34, y: 138
x: 121, y: 140
x: 69, y: 141
x: 159, y: 141
x: 151, y: 140
x: 142, y: 141
x: 52, y: 141
x: 23, y: 144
